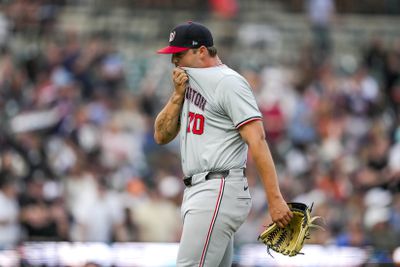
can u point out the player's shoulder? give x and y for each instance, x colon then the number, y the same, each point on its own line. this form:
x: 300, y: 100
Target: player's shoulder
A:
x: 216, y: 80
x: 214, y: 74
x: 231, y: 78
x: 229, y: 74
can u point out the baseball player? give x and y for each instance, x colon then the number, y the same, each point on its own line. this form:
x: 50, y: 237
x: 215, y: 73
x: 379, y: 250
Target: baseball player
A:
x: 215, y: 112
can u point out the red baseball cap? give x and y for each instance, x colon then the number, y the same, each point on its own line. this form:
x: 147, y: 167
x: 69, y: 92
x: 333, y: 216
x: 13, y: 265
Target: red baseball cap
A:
x: 186, y: 36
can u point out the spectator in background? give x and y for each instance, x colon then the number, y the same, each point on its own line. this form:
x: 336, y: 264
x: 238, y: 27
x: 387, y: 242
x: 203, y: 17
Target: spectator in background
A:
x: 354, y: 235
x: 4, y: 29
x: 395, y: 214
x: 102, y: 218
x: 374, y: 58
x: 76, y: 181
x: 392, y: 77
x: 384, y: 239
x: 321, y: 14
x: 394, y: 157
x: 302, y: 125
x: 157, y: 218
x: 362, y: 93
x: 9, y: 212
x: 42, y: 218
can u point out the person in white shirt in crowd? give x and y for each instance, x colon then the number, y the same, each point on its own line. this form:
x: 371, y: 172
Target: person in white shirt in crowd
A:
x: 9, y: 212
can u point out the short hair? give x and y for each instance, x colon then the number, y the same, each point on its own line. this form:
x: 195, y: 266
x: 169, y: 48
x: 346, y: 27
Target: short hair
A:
x: 212, y: 51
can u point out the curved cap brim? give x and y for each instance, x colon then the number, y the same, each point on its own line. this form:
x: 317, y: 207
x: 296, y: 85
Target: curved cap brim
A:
x: 172, y: 50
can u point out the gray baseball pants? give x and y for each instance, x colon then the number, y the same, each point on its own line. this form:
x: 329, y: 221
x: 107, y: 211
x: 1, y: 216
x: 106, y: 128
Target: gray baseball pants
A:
x: 212, y: 211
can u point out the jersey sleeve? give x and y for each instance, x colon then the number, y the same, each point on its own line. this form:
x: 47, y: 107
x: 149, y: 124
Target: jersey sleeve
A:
x: 236, y: 99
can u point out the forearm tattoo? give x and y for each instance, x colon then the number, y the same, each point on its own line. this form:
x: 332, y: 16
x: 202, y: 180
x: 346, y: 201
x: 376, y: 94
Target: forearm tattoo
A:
x: 167, y: 125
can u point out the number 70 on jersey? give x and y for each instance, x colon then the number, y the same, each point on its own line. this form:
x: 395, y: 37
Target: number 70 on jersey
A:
x: 195, y: 123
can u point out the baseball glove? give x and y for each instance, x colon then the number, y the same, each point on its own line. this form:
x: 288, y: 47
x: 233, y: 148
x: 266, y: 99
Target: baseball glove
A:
x: 290, y: 240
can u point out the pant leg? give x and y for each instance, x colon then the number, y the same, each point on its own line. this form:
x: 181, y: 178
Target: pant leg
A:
x: 213, y: 211
x: 228, y: 256
x: 193, y: 241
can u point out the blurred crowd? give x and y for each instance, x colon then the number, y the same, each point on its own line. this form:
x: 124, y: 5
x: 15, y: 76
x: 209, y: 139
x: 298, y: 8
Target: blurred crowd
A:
x: 78, y: 161
x: 335, y: 136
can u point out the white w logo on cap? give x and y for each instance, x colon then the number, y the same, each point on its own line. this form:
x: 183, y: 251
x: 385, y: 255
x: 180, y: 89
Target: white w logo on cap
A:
x: 172, y: 36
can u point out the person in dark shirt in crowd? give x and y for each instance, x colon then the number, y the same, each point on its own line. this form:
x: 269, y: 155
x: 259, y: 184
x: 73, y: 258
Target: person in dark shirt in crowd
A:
x: 42, y: 219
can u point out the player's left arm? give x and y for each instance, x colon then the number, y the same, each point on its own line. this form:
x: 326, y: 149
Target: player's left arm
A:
x: 253, y: 134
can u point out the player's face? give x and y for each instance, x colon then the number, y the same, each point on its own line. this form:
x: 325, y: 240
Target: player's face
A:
x: 176, y: 58
x: 188, y: 58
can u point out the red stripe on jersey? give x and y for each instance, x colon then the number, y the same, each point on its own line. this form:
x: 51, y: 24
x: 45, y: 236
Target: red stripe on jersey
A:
x: 210, y: 229
x: 247, y: 121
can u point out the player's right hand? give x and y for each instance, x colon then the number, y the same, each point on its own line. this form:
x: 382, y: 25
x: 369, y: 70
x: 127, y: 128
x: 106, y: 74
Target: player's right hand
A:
x: 280, y: 212
x: 180, y: 78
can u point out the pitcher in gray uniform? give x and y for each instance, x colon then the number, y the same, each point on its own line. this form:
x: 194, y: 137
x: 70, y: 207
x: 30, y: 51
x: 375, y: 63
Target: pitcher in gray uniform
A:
x: 214, y: 111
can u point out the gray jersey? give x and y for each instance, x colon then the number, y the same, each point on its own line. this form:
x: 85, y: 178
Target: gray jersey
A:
x: 218, y: 101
